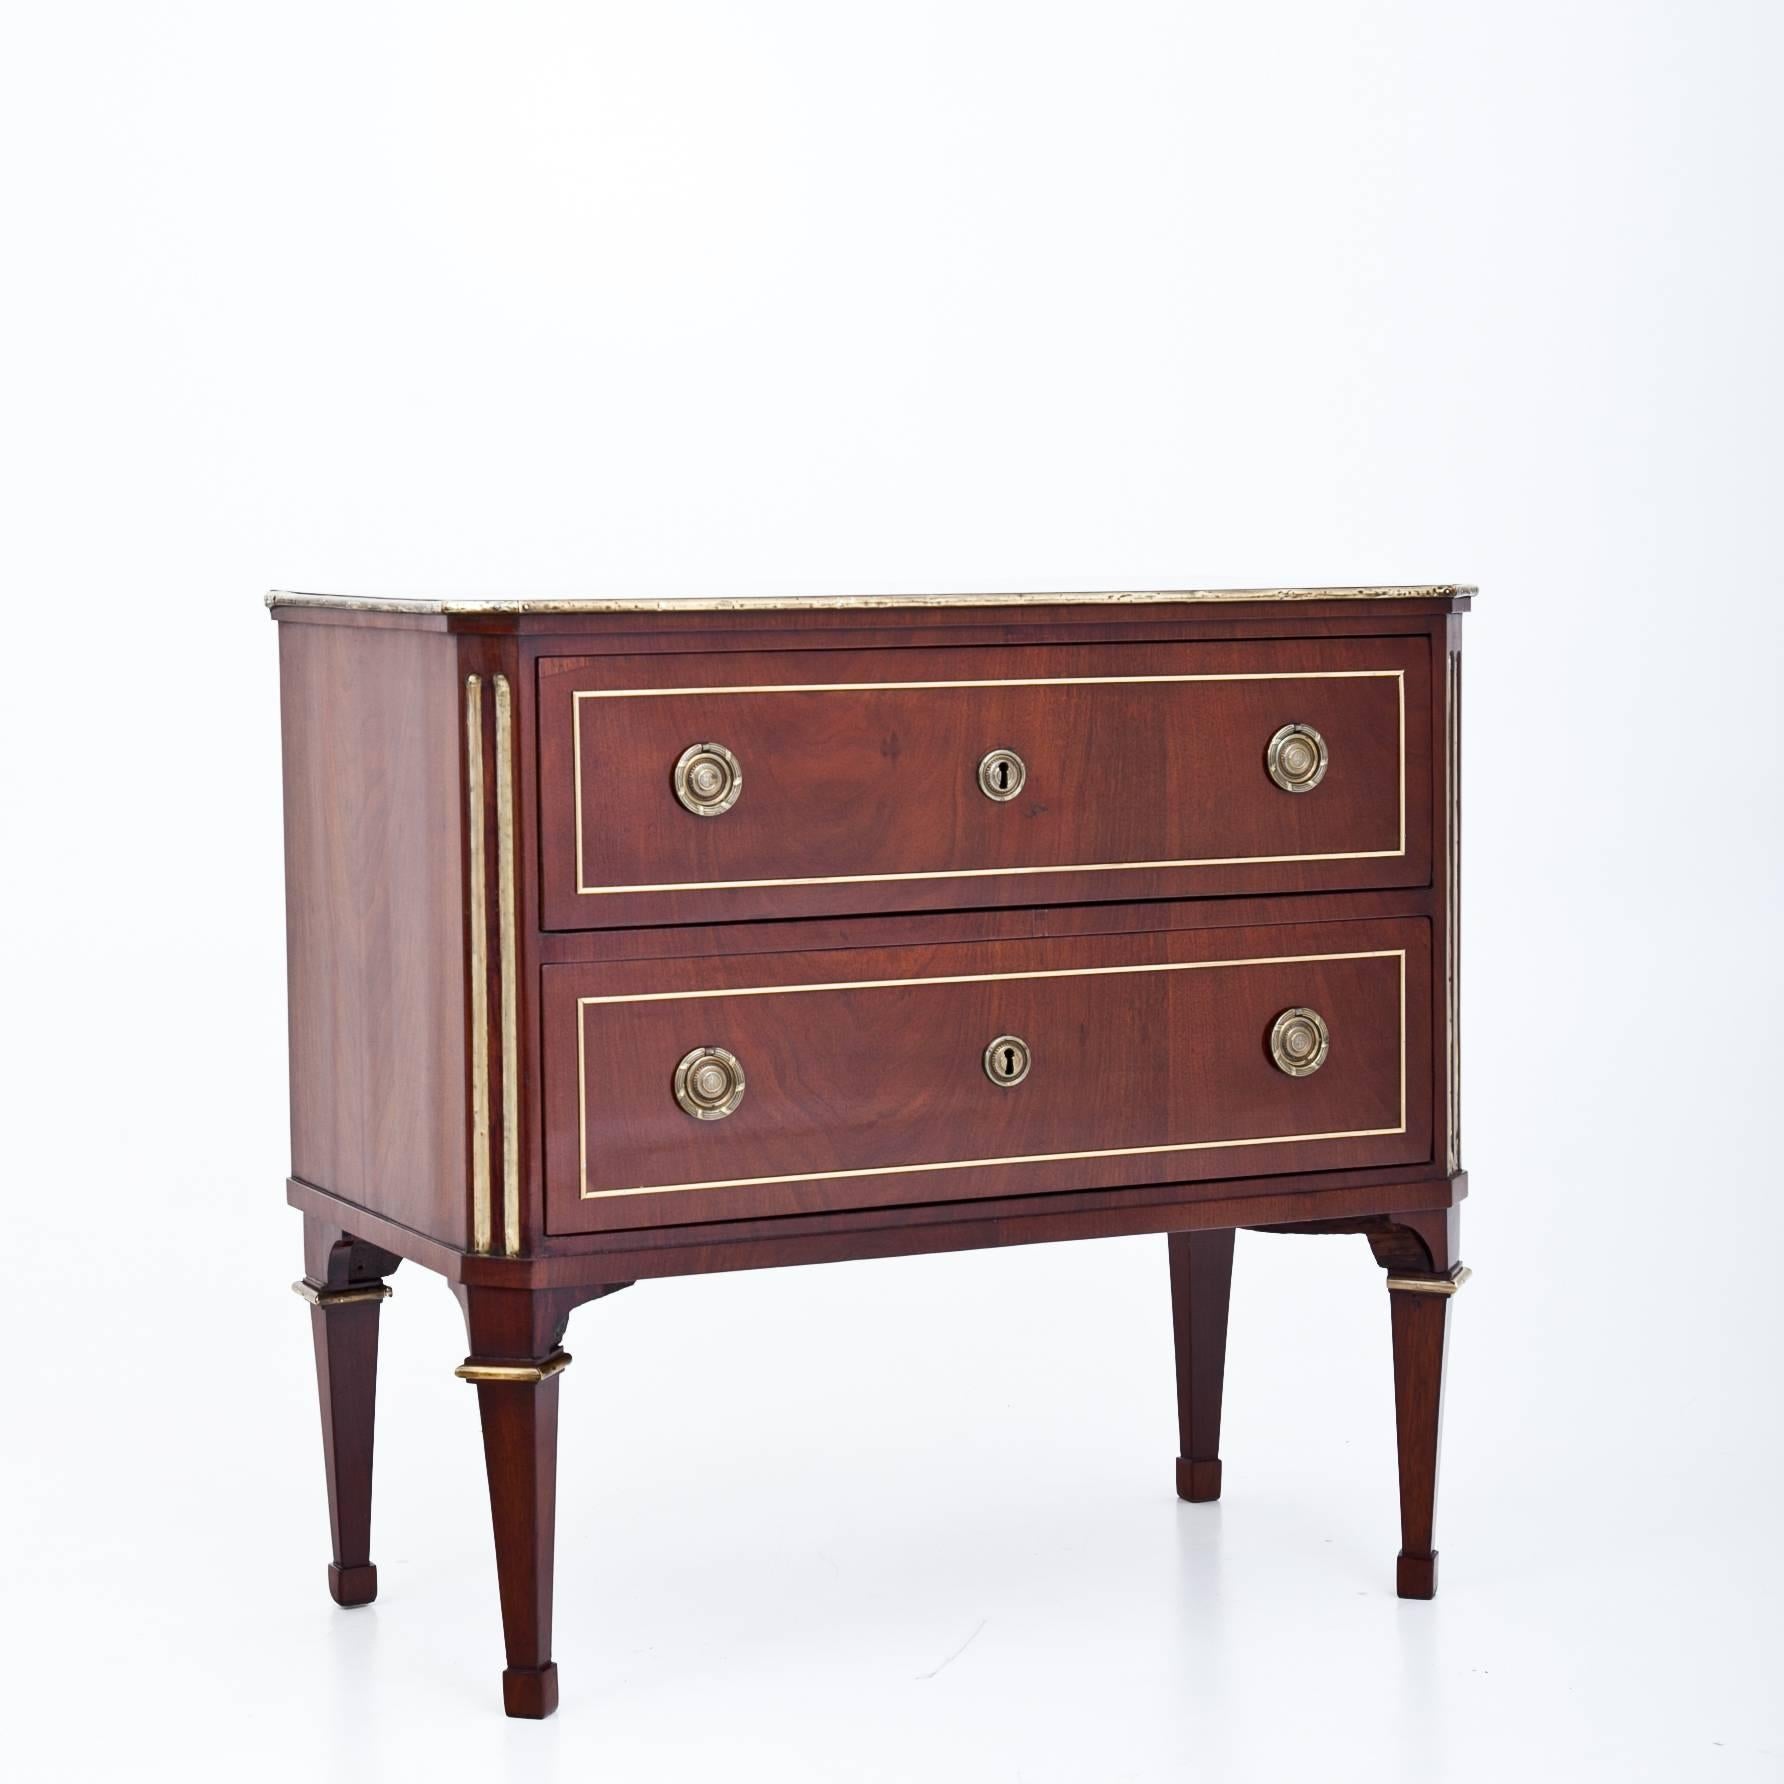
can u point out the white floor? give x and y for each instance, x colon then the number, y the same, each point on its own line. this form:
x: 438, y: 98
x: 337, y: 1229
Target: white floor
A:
x: 905, y: 1520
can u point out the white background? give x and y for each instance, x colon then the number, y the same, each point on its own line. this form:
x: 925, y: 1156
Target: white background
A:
x: 660, y: 299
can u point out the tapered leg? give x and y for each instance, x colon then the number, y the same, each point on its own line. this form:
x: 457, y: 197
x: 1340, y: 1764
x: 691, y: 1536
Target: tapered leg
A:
x: 342, y: 1285
x: 1201, y: 1286
x: 347, y: 1382
x: 520, y: 1422
x: 1420, y: 1250
x: 515, y: 1362
x: 1421, y: 1322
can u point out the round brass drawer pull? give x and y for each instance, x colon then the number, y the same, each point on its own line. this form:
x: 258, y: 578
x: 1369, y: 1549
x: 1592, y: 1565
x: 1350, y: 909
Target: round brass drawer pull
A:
x: 1002, y: 774
x: 707, y: 779
x: 1299, y: 1042
x: 709, y: 1083
x: 1296, y: 758
x: 1007, y: 1060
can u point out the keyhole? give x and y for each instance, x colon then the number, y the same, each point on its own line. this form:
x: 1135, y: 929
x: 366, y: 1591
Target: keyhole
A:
x: 1001, y: 775
x: 1006, y: 1060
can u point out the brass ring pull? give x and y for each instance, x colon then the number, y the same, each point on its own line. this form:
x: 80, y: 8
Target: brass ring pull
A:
x: 709, y: 1083
x: 1002, y: 774
x: 708, y: 779
x: 1296, y: 758
x: 1299, y: 1042
x: 1007, y: 1060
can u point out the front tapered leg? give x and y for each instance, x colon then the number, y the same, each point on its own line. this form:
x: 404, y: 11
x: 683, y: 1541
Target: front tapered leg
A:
x: 516, y: 1363
x: 1420, y: 1309
x: 1419, y: 1253
x: 342, y: 1283
x: 1201, y: 1287
x: 520, y: 1424
x: 1418, y: 1249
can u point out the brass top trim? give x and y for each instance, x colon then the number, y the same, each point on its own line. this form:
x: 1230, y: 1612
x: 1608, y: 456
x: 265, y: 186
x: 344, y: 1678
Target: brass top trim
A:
x: 1436, y: 591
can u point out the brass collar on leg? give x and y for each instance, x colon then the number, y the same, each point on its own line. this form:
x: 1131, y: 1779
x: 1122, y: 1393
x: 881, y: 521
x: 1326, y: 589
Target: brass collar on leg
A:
x: 471, y: 1369
x: 1431, y: 1285
x: 341, y: 1297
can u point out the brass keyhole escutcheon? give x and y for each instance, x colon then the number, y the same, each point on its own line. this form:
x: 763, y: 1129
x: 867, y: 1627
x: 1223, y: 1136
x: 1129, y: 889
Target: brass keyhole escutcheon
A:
x: 1296, y: 758
x: 1299, y: 1042
x: 707, y: 779
x: 709, y: 1083
x: 1001, y: 775
x: 1007, y: 1060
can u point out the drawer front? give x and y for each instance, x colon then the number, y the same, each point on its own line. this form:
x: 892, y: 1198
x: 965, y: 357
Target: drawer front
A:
x: 866, y: 1080
x: 859, y: 781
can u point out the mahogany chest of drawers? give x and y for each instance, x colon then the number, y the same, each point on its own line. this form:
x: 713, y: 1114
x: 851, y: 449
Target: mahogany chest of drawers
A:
x: 632, y: 940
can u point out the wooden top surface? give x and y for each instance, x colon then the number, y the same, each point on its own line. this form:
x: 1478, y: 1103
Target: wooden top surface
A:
x: 1442, y: 591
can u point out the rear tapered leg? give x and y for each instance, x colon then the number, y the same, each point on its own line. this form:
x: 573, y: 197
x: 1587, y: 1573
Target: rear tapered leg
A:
x: 342, y: 1283
x: 1201, y: 1287
x: 1420, y: 1310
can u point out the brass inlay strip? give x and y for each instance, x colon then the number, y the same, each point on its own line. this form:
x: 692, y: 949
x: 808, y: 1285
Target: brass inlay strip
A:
x: 976, y: 873
x: 341, y: 1297
x: 1051, y: 972
x: 995, y: 681
x: 472, y: 1370
x: 1453, y: 904
x: 1431, y: 1285
x: 505, y: 903
x: 970, y: 1164
x: 481, y: 1221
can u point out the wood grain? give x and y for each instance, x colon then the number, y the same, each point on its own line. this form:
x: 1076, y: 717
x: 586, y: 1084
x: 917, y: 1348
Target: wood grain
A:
x: 375, y: 939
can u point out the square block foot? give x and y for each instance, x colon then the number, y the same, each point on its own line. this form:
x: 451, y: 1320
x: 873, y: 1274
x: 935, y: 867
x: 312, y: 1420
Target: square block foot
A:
x: 1415, y: 1576
x: 530, y: 1691
x: 1198, y: 1482
x: 353, y: 1585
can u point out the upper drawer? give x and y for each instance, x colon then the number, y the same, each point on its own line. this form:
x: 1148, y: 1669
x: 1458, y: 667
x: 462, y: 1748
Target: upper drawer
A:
x: 861, y: 781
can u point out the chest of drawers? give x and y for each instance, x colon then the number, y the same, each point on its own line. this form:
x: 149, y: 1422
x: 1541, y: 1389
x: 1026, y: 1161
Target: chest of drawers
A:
x: 631, y: 940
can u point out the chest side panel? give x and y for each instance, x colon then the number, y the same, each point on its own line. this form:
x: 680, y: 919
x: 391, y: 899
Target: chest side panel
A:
x: 375, y: 937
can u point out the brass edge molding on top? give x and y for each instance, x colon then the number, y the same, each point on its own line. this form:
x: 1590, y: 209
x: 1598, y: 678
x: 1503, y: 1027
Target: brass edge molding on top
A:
x: 341, y: 1297
x: 481, y: 1217
x: 1436, y: 591
x: 473, y: 1370
x: 505, y: 916
x: 578, y: 695
x: 972, y: 1164
x: 1431, y: 1285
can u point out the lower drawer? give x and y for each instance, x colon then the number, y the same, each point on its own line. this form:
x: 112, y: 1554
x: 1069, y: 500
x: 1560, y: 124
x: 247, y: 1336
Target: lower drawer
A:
x: 731, y: 1088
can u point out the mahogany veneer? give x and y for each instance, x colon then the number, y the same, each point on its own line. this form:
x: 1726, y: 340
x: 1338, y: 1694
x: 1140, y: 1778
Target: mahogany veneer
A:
x: 632, y: 940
